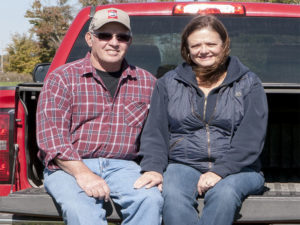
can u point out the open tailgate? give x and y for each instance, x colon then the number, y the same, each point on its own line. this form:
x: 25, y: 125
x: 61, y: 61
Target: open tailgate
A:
x: 280, y: 202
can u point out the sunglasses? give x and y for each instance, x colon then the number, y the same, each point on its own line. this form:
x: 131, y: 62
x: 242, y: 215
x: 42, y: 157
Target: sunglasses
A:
x: 121, y: 37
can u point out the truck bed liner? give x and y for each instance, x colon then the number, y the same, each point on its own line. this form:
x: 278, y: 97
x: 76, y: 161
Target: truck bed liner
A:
x: 280, y: 202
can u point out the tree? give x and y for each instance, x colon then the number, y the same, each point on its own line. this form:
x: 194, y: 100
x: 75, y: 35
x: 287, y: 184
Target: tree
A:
x: 23, y: 54
x: 286, y: 1
x: 50, y: 23
x: 86, y: 3
x: 270, y: 1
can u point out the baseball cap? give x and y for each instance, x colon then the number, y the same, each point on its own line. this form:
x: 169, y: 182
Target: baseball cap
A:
x: 109, y: 15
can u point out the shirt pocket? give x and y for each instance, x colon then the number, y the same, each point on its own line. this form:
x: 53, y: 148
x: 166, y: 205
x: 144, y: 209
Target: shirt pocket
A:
x: 135, y: 113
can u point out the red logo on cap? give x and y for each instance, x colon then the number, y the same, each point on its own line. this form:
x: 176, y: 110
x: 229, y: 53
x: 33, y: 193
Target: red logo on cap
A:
x: 112, y: 14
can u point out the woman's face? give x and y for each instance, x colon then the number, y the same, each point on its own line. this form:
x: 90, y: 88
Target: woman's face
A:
x: 205, y: 47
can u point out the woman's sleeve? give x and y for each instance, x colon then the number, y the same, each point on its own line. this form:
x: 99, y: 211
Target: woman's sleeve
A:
x: 155, y: 136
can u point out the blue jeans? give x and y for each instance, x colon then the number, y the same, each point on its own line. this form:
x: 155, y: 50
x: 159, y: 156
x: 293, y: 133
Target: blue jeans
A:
x: 220, y: 202
x: 139, y: 206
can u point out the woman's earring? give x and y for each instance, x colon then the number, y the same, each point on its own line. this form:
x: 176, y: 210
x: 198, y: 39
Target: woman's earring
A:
x: 189, y: 59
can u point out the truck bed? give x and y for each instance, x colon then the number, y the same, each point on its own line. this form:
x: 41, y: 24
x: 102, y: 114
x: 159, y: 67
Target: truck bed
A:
x: 280, y: 202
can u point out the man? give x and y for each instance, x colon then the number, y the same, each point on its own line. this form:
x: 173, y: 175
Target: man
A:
x: 90, y: 115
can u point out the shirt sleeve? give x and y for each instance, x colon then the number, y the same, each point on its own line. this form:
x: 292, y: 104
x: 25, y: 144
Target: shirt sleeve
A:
x: 248, y: 140
x: 154, y: 138
x: 53, y: 121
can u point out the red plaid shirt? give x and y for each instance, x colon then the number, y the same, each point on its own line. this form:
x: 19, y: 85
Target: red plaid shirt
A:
x: 78, y: 118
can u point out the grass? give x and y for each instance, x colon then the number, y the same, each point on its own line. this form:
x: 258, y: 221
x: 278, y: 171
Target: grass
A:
x: 12, y: 79
x: 3, y: 84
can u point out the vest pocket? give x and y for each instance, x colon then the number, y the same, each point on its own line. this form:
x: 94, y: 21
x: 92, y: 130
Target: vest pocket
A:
x: 172, y: 146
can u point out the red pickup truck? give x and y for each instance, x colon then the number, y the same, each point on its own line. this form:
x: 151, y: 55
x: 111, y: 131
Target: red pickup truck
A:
x: 265, y: 36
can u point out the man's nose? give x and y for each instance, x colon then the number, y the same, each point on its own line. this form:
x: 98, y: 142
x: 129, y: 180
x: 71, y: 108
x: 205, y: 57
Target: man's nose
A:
x: 114, y: 40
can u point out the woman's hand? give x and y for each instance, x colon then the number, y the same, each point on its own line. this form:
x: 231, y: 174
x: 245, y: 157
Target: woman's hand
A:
x: 207, y: 181
x: 149, y: 179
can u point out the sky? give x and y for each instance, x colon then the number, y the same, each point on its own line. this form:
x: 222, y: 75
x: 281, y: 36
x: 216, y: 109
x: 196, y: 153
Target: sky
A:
x: 12, y: 19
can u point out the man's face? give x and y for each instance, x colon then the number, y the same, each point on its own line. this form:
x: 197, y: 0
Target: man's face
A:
x: 109, y: 45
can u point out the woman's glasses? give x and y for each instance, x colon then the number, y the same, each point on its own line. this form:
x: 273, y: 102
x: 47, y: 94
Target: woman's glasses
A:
x: 105, y: 36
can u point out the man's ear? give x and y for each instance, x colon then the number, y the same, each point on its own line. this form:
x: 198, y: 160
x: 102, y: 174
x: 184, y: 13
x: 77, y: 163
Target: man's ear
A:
x: 89, y: 39
x: 130, y: 41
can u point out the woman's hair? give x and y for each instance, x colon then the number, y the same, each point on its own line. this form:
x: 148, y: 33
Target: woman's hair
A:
x: 197, y: 23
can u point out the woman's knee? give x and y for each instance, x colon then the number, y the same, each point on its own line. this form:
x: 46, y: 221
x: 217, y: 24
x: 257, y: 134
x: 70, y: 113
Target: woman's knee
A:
x: 172, y: 194
x: 176, y: 198
x: 225, y: 195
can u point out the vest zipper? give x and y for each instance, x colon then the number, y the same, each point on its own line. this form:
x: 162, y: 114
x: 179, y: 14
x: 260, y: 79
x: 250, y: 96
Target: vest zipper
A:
x: 207, y: 131
x: 208, y: 144
x: 204, y: 110
x: 206, y: 124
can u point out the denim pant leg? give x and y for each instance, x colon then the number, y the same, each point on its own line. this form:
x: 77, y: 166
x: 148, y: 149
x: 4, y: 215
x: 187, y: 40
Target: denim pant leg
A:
x: 77, y: 207
x: 180, y: 192
x: 222, y: 201
x: 139, y: 206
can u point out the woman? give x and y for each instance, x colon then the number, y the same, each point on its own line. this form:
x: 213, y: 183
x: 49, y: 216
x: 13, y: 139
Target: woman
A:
x: 205, y: 130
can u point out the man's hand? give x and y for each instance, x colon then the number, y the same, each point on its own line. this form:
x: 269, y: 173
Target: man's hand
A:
x: 93, y: 185
x: 149, y: 179
x: 207, y: 181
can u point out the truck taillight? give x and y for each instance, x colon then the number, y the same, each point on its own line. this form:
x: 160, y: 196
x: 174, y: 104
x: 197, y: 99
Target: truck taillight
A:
x: 4, y: 147
x: 209, y: 8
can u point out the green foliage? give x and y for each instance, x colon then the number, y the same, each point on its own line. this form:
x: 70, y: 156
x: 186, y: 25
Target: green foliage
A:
x: 269, y: 1
x: 50, y: 23
x: 286, y: 1
x: 23, y: 54
x: 86, y: 3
